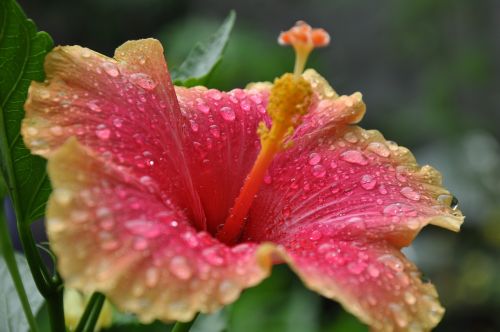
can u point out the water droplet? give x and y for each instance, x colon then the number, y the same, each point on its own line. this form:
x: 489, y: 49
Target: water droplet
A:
x: 379, y: 149
x: 400, y: 175
x: 117, y: 122
x: 86, y: 54
x: 315, y: 235
x: 93, y: 106
x: 373, y: 271
x: 268, y: 179
x: 202, y: 107
x: 400, y: 209
x: 152, y: 277
x: 102, y: 132
x: 318, y: 171
x: 227, y: 113
x: 110, y: 69
x: 356, y: 267
x: 44, y: 94
x: 368, y: 182
x: 409, y: 193
x: 228, y: 291
x: 109, y: 245
x: 56, y: 130
x: 180, y: 268
x: 140, y: 244
x: 382, y: 189
x: 392, y: 262
x: 143, y: 80
x: 350, y: 137
x: 63, y: 196
x: 413, y: 224
x: 214, y: 94
x: 194, y: 125
x: 333, y: 164
x: 399, y: 314
x: 143, y: 228
x: 454, y: 203
x: 354, y: 157
x: 245, y: 105
x: 214, y: 130
x: 212, y: 256
x: 410, y: 298
x: 314, y: 158
x: 32, y: 131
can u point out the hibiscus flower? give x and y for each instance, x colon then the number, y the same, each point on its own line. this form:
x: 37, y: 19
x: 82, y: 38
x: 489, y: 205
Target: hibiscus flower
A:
x: 167, y: 200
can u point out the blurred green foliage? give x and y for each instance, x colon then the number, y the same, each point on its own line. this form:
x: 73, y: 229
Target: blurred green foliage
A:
x: 429, y: 72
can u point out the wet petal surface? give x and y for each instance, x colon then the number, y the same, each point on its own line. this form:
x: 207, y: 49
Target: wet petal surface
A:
x: 112, y: 235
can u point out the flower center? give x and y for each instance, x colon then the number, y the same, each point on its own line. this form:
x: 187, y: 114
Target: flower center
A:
x: 289, y: 100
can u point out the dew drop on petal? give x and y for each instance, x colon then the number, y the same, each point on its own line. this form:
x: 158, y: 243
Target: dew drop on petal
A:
x: 228, y: 291
x: 140, y: 244
x: 227, y: 113
x: 268, y: 179
x: 379, y: 149
x: 356, y: 267
x: 368, y: 182
x: 350, y: 137
x: 117, y: 122
x: 392, y: 262
x: 382, y: 189
x: 409, y: 193
x: 318, y: 171
x: 333, y: 164
x: 56, y: 130
x: 212, y: 256
x: 373, y: 271
x: 410, y: 298
x: 102, y: 132
x: 315, y: 235
x: 214, y: 94
x: 152, y: 277
x: 214, y: 130
x: 400, y: 209
x: 180, y: 268
x: 194, y: 125
x: 314, y: 158
x: 202, y: 107
x: 354, y: 157
x: 110, y: 69
x: 93, y: 106
x: 143, y: 80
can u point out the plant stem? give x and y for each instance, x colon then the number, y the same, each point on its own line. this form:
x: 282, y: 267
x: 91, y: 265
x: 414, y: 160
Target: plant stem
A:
x: 91, y: 314
x: 7, y: 251
x: 183, y: 327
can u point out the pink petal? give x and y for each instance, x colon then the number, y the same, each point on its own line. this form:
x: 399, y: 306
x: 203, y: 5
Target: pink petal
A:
x: 355, y: 182
x: 123, y: 108
x: 111, y: 234
x: 342, y: 202
x: 372, y: 280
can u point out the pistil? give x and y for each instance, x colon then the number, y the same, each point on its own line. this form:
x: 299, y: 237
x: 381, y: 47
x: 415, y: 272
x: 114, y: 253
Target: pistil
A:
x: 289, y: 100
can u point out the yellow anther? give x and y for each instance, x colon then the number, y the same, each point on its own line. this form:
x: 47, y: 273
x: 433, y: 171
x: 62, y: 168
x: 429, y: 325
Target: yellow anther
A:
x: 289, y: 100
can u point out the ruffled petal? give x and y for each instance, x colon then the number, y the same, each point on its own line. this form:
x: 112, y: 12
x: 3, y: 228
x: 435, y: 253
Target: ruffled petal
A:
x: 111, y: 234
x: 352, y: 180
x: 341, y: 203
x: 372, y: 280
x: 123, y: 108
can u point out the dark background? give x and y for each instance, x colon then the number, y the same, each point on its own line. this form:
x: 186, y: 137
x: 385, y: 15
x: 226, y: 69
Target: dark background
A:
x: 429, y: 73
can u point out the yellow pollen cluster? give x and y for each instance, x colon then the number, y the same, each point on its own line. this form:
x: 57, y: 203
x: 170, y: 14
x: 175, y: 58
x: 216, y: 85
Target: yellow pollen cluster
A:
x: 289, y: 100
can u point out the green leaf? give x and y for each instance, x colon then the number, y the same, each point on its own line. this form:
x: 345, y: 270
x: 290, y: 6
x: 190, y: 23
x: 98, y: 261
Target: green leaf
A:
x: 279, y: 304
x: 204, y: 57
x: 12, y: 318
x: 22, y: 51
